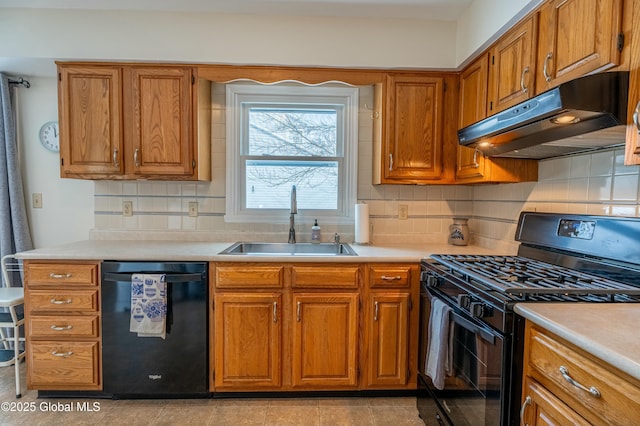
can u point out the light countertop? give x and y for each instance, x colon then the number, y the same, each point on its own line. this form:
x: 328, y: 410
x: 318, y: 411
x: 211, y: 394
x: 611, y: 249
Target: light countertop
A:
x: 608, y: 331
x: 140, y: 250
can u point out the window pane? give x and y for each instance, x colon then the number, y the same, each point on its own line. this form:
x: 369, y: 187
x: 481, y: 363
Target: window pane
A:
x: 292, y: 132
x: 269, y: 184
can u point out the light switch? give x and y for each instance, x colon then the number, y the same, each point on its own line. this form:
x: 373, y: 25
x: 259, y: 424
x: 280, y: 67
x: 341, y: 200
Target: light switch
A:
x: 193, y: 209
x: 127, y: 208
x: 403, y: 211
x: 36, y: 200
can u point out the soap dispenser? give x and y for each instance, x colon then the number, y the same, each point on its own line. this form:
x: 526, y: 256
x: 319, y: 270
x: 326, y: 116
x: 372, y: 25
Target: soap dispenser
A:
x: 315, y: 232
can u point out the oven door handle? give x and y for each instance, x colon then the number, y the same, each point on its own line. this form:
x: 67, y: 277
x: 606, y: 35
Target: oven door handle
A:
x: 170, y: 278
x: 473, y: 328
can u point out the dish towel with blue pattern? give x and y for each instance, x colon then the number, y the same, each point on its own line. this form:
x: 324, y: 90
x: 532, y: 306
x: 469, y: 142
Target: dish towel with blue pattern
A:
x: 148, y: 305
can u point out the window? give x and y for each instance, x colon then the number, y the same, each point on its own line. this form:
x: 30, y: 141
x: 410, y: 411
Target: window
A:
x: 282, y: 135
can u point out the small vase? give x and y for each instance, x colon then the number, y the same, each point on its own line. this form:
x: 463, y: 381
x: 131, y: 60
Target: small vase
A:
x: 459, y: 232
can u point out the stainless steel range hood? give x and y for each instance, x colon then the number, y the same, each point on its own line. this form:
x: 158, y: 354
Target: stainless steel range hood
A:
x: 581, y: 115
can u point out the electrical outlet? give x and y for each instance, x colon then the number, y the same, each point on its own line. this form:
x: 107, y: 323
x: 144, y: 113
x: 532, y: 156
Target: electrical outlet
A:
x: 127, y: 208
x: 403, y: 212
x: 36, y: 200
x: 193, y: 209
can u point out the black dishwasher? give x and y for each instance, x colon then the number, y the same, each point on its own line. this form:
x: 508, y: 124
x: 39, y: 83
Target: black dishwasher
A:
x: 153, y: 367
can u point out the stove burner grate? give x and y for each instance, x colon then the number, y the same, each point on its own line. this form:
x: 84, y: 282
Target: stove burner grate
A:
x: 523, y: 276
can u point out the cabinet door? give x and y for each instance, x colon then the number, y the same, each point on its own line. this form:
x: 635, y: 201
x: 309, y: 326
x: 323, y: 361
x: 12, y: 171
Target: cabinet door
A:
x: 161, y: 129
x: 512, y: 66
x: 541, y: 407
x: 89, y: 112
x: 473, y: 107
x: 389, y: 339
x: 632, y: 152
x: 248, y: 331
x: 325, y: 340
x: 412, y: 147
x: 576, y: 37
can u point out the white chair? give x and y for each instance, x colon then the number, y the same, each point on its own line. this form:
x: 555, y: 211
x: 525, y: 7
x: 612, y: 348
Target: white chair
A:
x: 11, y: 297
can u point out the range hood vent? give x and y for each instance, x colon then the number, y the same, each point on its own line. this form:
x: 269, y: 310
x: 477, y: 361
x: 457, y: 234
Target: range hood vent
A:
x: 581, y: 115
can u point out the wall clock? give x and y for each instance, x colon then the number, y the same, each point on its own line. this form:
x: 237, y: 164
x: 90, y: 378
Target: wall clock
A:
x: 50, y: 136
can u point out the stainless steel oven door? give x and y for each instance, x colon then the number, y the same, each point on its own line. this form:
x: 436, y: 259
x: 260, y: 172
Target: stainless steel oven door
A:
x: 473, y: 394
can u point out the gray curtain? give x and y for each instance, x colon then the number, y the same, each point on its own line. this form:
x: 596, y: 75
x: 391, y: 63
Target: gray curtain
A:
x: 14, y: 228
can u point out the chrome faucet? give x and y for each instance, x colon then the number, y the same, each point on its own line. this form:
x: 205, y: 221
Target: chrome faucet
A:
x: 294, y: 210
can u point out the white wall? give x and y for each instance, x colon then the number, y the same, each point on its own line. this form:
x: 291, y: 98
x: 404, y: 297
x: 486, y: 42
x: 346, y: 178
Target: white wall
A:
x: 217, y: 38
x: 484, y: 21
x: 67, y: 204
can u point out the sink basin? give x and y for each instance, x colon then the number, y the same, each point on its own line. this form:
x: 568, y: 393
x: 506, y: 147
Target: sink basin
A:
x: 285, y: 249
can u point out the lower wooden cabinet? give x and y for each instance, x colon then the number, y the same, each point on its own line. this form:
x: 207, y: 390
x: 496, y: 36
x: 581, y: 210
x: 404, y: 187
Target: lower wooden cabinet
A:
x: 565, y: 385
x: 63, y: 365
x: 389, y: 339
x: 313, y: 326
x: 325, y: 340
x: 248, y: 333
x: 62, y: 323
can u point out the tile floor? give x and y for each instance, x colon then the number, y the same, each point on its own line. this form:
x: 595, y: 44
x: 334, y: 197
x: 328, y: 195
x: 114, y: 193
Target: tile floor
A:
x: 392, y: 411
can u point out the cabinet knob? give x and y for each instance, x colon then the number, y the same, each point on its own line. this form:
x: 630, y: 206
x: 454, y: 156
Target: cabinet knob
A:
x: 545, y: 71
x: 527, y: 401
x: 55, y: 301
x: 593, y: 391
x: 59, y: 276
x: 523, y: 86
x: 62, y: 354
x: 375, y: 311
x: 636, y: 115
x: 116, y: 163
x: 136, y: 159
x: 61, y: 327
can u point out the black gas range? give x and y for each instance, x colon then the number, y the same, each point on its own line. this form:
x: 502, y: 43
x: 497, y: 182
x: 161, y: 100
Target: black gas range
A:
x: 561, y: 258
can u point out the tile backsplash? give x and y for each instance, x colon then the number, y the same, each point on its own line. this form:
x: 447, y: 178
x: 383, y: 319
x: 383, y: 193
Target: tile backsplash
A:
x: 596, y: 183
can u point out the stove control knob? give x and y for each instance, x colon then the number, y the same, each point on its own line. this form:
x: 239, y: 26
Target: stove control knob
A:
x: 480, y: 310
x: 434, y: 281
x: 464, y: 301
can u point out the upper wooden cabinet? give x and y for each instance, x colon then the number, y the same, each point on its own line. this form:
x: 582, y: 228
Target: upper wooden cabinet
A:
x: 90, y: 114
x: 576, y: 37
x: 512, y: 66
x: 472, y: 166
x: 632, y: 152
x: 130, y: 122
x: 409, y: 148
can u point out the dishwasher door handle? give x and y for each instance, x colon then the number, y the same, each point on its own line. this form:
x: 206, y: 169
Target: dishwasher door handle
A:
x: 170, y: 278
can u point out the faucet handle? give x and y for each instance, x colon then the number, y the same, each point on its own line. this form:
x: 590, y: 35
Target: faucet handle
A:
x: 336, y: 238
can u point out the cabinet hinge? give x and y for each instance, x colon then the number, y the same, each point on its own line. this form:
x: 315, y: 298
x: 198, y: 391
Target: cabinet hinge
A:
x: 493, y: 60
x: 491, y: 106
x: 59, y: 76
x: 444, y: 85
x: 410, y: 304
x: 193, y: 164
x: 408, y: 374
x: 62, y: 161
x: 213, y: 305
x: 620, y: 42
x: 193, y: 79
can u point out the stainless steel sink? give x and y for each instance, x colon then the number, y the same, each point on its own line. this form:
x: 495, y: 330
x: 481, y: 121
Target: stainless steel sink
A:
x: 285, y: 249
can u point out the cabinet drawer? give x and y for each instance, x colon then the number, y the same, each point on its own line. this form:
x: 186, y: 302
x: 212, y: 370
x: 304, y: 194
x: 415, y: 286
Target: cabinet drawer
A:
x: 390, y: 276
x: 322, y: 276
x: 63, y: 365
x: 63, y: 300
x: 619, y: 400
x: 248, y: 275
x: 52, y: 327
x: 62, y: 273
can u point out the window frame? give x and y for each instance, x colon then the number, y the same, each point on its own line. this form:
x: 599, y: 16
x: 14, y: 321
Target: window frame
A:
x: 238, y: 96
